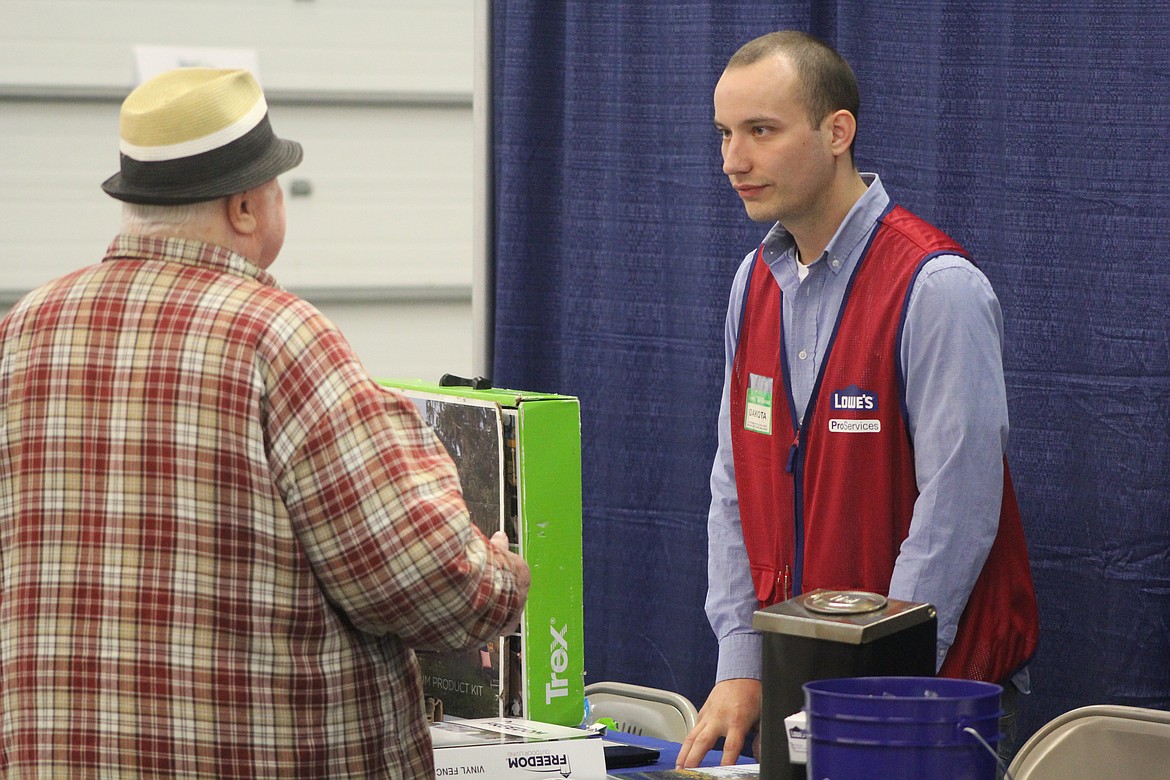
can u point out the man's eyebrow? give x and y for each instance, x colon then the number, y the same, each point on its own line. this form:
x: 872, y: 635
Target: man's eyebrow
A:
x: 754, y: 120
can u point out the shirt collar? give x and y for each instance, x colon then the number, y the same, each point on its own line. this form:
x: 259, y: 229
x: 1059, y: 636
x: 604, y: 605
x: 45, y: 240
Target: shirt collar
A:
x: 847, y: 243
x: 187, y: 252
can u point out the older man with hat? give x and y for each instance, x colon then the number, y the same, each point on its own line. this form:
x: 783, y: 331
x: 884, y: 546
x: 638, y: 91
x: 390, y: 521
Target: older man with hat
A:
x: 219, y: 539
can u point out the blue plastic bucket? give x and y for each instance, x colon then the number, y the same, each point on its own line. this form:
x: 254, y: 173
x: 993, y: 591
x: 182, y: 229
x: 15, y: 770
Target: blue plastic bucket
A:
x: 909, y: 728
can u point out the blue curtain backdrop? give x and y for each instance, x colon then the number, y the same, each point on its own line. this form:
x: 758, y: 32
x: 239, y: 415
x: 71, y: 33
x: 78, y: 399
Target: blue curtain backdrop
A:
x: 1035, y: 133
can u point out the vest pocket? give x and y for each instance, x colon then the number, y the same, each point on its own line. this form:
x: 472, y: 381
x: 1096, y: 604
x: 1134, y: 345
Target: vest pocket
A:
x: 767, y: 583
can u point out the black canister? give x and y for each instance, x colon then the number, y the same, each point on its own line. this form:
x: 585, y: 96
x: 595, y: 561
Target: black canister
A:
x: 826, y: 634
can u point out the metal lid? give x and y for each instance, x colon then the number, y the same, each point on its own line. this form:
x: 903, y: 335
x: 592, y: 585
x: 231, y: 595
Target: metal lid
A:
x: 799, y: 617
x: 843, y: 602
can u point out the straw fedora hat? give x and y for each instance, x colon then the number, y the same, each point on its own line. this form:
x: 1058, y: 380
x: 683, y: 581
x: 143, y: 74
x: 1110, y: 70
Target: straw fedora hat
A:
x: 196, y: 134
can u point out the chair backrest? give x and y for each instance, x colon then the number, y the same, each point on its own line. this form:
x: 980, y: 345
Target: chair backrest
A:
x: 637, y: 709
x: 1097, y: 741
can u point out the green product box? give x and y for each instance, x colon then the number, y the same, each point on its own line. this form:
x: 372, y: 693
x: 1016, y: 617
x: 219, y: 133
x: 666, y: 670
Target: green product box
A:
x: 519, y: 460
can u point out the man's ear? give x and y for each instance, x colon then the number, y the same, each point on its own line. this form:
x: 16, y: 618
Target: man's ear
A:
x: 843, y: 126
x: 241, y: 211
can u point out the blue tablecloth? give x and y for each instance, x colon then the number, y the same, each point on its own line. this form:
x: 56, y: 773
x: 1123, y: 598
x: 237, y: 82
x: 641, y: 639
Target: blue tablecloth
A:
x: 667, y: 752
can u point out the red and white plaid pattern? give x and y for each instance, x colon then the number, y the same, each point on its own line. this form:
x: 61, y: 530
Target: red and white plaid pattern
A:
x: 218, y: 537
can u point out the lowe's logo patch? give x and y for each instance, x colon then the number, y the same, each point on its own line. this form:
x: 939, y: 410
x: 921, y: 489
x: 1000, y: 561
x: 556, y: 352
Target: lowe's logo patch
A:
x: 854, y: 399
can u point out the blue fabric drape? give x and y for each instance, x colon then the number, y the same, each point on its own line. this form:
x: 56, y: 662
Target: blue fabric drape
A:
x: 1035, y: 135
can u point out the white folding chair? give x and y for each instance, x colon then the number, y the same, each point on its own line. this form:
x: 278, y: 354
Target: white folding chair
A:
x: 1089, y: 743
x: 637, y: 709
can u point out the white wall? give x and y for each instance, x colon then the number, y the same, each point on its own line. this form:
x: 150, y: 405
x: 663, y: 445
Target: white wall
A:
x: 379, y: 92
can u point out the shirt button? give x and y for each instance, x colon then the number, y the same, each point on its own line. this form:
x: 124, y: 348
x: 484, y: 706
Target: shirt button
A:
x: 836, y: 263
x: 803, y: 355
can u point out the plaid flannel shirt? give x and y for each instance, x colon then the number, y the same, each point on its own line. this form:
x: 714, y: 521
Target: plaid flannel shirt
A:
x: 219, y: 539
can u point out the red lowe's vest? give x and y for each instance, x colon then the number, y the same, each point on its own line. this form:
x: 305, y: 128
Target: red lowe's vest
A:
x: 829, y: 507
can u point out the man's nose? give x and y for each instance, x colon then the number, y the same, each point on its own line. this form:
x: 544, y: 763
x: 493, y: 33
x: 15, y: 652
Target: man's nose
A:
x: 734, y: 157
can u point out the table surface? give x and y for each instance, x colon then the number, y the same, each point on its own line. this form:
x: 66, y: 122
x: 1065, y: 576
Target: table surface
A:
x: 667, y: 753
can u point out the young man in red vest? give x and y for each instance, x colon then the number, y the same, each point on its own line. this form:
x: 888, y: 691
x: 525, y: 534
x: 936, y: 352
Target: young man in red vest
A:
x: 864, y: 416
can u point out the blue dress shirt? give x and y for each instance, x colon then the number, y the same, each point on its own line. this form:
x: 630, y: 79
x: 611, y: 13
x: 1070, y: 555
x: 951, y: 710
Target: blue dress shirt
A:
x: 952, y: 354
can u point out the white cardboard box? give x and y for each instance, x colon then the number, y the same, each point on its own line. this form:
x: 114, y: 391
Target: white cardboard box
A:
x: 515, y: 748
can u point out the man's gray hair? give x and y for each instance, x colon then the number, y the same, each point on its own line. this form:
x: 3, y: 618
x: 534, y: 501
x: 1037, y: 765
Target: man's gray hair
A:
x: 141, y: 219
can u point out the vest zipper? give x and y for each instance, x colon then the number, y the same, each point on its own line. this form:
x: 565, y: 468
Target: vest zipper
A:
x: 792, y: 453
x: 792, y: 584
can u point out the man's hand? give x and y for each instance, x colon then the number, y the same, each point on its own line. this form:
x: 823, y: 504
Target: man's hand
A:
x: 732, y: 711
x: 499, y: 543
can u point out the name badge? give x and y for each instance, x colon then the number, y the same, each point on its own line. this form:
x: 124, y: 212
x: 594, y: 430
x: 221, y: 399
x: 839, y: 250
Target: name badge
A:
x: 758, y: 415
